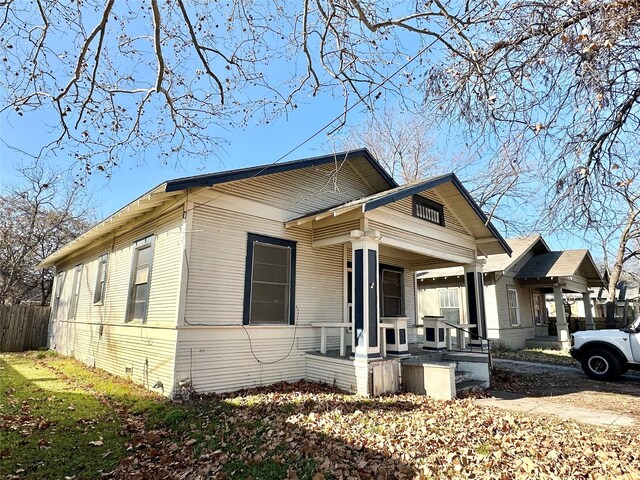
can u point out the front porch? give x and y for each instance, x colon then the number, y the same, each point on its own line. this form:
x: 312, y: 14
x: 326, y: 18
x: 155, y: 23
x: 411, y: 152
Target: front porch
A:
x: 438, y: 374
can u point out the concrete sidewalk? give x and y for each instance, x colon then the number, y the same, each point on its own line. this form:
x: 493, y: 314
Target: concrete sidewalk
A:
x: 521, y: 403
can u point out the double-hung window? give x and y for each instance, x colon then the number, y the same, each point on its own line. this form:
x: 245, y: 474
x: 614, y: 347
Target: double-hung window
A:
x: 75, y: 292
x: 269, y: 293
x: 101, y: 279
x: 514, y: 312
x: 140, y: 280
x: 391, y: 285
x: 450, y: 304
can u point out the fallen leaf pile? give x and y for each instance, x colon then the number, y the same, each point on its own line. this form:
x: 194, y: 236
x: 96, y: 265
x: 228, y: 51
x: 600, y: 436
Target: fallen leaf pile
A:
x: 404, y: 436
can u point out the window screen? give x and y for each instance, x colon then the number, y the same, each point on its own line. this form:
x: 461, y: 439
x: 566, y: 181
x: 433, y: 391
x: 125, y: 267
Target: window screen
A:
x: 392, y: 298
x: 58, y: 293
x: 140, y: 280
x: 270, y: 281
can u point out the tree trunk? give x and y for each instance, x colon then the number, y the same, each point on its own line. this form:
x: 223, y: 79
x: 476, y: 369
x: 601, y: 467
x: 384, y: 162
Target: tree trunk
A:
x: 616, y: 270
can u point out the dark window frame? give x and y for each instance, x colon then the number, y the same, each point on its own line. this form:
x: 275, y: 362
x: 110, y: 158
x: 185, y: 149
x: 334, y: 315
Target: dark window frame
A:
x: 391, y: 268
x: 252, y: 239
x: 425, y: 202
x: 139, y: 245
x: 101, y: 285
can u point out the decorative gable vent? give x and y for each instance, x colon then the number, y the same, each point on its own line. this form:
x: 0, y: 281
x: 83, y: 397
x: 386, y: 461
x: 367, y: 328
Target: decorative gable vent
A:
x: 428, y: 210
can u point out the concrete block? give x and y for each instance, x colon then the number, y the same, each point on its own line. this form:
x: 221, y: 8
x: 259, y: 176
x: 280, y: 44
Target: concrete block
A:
x: 437, y: 380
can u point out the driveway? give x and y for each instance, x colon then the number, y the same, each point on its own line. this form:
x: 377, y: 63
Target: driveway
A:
x: 565, y: 391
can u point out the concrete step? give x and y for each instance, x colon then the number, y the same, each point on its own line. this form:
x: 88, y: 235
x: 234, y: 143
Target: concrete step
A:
x: 467, y: 385
x: 463, y: 376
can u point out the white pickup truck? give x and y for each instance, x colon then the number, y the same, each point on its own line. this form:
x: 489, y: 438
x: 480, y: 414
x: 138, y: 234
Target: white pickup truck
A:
x: 607, y: 354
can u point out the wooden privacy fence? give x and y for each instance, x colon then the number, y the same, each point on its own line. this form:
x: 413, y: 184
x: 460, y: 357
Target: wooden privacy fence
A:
x: 23, y: 327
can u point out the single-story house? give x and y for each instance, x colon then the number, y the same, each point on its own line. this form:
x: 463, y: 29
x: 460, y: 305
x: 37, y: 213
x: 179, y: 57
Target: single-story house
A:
x: 248, y: 277
x: 516, y: 288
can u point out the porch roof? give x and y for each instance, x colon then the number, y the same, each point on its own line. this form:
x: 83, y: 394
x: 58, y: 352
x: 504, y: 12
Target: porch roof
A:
x: 565, y: 263
x: 371, y: 202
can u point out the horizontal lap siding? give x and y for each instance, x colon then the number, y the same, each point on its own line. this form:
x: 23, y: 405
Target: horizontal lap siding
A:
x: 223, y: 359
x: 421, y: 240
x: 303, y: 191
x: 227, y: 359
x: 215, y: 292
x: 335, y: 230
x: 332, y: 371
x: 148, y: 352
x: 125, y: 345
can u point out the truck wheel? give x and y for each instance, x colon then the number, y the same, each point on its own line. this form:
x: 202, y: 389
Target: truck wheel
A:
x: 601, y: 364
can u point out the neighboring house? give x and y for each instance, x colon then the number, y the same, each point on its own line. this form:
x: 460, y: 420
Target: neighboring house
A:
x: 515, y: 291
x: 228, y: 280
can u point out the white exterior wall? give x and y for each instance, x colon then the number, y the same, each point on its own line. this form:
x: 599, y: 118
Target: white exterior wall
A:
x: 99, y: 335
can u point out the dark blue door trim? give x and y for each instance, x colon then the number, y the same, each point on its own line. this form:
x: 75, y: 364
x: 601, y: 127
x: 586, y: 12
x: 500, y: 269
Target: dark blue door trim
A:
x: 358, y: 306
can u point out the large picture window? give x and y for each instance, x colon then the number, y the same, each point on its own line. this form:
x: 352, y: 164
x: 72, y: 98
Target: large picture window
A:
x: 140, y: 280
x: 269, y: 296
x: 101, y: 280
x: 514, y: 313
x: 391, y: 295
x: 75, y: 292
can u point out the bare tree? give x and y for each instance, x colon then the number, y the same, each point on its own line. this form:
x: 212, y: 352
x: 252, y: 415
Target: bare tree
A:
x: 406, y: 144
x: 37, y: 217
x: 116, y: 77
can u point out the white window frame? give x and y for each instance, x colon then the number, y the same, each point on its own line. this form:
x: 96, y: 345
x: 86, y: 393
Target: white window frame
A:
x: 101, y: 279
x: 515, y: 307
x: 456, y: 291
x: 74, y: 299
x: 57, y: 293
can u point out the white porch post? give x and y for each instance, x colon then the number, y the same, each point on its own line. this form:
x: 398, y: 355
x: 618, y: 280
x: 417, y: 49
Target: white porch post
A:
x: 366, y: 311
x: 588, y: 315
x: 474, y: 287
x: 561, y: 318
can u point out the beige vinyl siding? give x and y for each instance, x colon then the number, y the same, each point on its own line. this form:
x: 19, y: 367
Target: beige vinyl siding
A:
x: 216, y: 276
x: 224, y: 359
x: 98, y: 334
x: 431, y: 243
x: 339, y: 372
x: 344, y: 228
x: 405, y: 206
x: 303, y: 191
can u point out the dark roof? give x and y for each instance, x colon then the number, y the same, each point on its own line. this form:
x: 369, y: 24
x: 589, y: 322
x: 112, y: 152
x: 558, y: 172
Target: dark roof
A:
x: 564, y: 263
x: 211, y: 179
x: 386, y: 197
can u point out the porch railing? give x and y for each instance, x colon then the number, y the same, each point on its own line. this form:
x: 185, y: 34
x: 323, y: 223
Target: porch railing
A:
x: 481, y: 345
